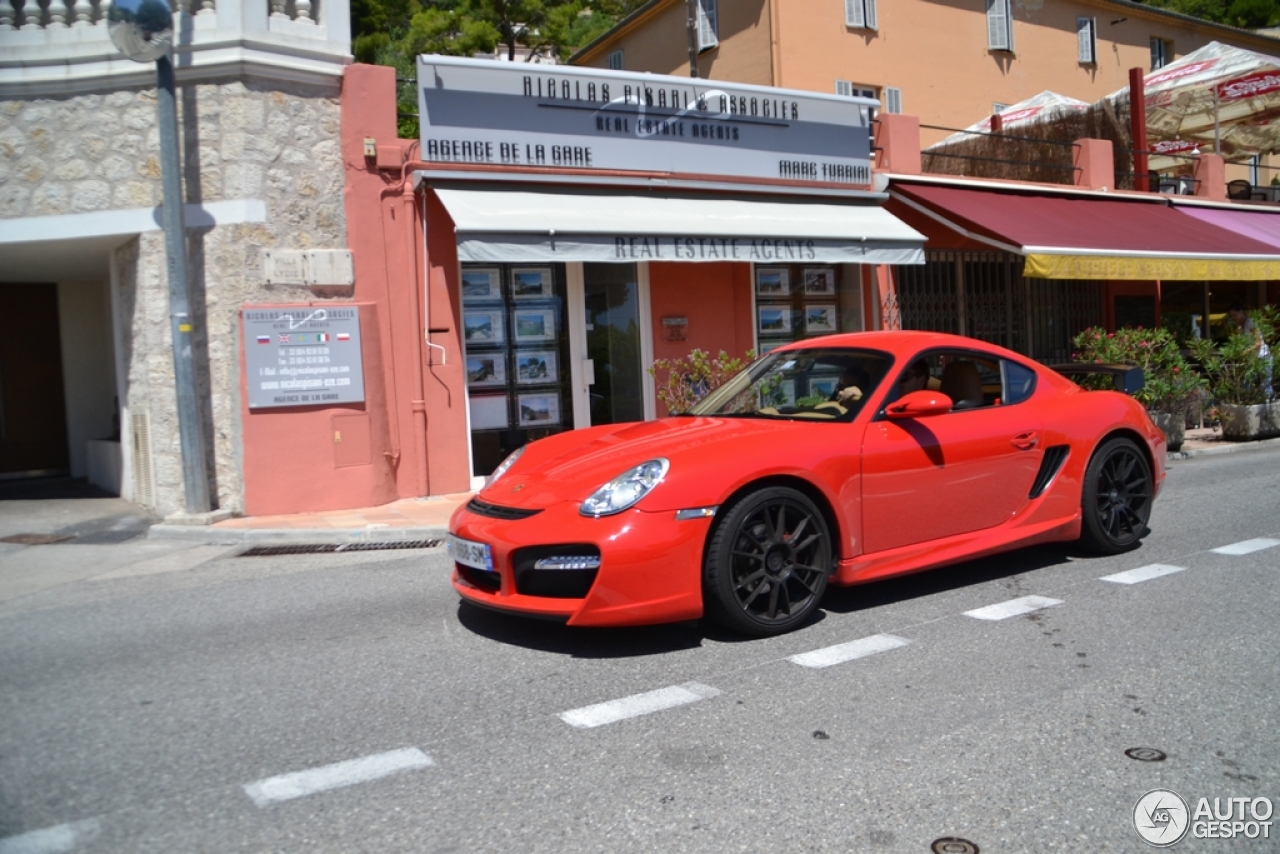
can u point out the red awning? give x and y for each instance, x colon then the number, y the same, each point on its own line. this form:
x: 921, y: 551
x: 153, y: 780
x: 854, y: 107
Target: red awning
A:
x: 1068, y: 237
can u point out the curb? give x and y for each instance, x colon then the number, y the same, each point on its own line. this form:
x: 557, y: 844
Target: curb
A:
x: 286, y: 536
x: 1223, y: 447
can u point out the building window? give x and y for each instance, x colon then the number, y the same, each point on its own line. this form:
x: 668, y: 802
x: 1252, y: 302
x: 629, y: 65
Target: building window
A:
x: 1087, y: 41
x: 860, y: 14
x: 997, y: 107
x: 854, y: 90
x: 615, y: 60
x: 892, y: 100
x: 708, y: 25
x: 999, y: 25
x: 1161, y: 53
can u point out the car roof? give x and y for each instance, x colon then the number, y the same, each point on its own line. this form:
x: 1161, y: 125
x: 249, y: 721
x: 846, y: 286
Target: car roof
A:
x: 906, y: 342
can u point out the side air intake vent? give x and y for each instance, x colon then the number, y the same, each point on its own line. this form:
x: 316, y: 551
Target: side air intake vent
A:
x: 1054, y: 457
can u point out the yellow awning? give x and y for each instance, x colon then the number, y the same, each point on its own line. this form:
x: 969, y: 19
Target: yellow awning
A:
x: 1168, y: 267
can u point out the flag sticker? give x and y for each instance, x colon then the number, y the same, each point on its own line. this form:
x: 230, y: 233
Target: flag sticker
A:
x: 264, y: 339
x: 343, y: 336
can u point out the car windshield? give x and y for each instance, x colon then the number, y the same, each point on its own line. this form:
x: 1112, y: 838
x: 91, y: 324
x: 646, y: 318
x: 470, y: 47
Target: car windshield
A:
x: 822, y: 384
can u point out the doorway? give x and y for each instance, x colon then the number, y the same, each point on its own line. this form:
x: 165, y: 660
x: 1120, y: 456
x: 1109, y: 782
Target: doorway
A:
x: 612, y: 343
x: 33, y: 418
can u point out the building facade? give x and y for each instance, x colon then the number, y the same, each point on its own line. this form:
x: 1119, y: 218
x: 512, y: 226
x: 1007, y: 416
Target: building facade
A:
x: 950, y: 64
x: 88, y: 381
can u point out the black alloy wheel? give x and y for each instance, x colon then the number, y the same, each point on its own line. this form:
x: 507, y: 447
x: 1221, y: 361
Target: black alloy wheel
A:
x: 1117, y: 497
x: 767, y: 563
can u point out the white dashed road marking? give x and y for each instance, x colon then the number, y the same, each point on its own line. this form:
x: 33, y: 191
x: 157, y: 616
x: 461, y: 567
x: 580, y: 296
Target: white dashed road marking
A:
x: 1142, y: 573
x: 843, y: 652
x: 1013, y: 608
x: 638, y: 704
x: 1247, y: 547
x: 302, y: 783
x: 51, y: 840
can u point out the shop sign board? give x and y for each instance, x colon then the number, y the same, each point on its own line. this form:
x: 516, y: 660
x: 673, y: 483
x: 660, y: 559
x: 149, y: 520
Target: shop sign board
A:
x: 500, y: 113
x: 303, y: 356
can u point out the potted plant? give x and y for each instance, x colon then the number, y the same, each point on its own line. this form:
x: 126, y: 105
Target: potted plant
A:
x: 1238, y: 379
x: 683, y: 382
x: 1170, y: 386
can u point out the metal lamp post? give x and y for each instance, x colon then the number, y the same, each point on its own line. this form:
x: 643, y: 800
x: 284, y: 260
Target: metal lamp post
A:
x: 143, y: 31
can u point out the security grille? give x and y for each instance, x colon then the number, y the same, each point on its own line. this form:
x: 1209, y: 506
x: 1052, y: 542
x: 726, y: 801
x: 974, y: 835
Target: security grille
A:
x: 984, y: 295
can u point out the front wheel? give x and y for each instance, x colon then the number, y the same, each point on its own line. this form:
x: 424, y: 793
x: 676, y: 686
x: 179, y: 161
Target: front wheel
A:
x: 768, y: 562
x: 1116, y: 503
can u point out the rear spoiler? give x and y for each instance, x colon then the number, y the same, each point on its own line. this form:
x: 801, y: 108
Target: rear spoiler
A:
x: 1125, y: 378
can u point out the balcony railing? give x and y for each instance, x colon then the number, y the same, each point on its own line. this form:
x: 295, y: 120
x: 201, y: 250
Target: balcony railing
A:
x: 49, y: 46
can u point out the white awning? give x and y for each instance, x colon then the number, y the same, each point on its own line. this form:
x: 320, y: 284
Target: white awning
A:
x: 500, y: 226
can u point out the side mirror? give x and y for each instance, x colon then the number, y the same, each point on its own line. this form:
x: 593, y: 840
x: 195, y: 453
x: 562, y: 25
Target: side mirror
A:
x: 918, y: 404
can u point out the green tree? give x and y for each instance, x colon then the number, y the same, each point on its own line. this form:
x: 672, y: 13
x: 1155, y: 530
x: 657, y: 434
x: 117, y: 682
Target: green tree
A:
x: 1246, y: 14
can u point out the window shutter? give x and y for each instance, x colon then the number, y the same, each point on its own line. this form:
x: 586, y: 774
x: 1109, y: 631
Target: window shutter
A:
x: 615, y: 60
x: 708, y: 26
x: 892, y: 100
x: 853, y: 16
x: 998, y: 25
x: 845, y: 88
x: 1086, y: 40
x: 869, y: 12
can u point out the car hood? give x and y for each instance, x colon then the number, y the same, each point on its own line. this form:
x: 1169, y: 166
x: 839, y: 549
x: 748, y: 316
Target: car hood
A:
x: 702, y: 451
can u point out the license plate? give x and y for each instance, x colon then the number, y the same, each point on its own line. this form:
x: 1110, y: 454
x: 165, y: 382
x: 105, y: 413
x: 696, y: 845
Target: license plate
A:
x: 468, y: 553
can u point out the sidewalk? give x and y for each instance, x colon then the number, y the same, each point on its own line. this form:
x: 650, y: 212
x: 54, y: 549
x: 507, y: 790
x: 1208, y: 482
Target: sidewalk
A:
x: 403, y: 520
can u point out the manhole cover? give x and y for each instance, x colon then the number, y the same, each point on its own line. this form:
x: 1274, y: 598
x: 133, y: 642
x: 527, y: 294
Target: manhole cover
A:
x: 1145, y: 754
x: 34, y: 539
x: 953, y: 845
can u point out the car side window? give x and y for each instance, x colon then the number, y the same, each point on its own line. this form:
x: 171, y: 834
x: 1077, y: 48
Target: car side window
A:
x: 972, y: 380
x: 1019, y: 381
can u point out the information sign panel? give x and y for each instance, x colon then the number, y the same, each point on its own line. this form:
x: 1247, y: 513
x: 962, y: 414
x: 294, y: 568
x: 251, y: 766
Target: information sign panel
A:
x: 303, y: 356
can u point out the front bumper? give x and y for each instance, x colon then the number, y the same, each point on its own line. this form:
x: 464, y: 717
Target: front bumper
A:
x: 650, y: 565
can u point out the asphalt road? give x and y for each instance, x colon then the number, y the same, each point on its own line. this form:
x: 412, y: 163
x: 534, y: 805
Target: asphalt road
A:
x: 161, y: 697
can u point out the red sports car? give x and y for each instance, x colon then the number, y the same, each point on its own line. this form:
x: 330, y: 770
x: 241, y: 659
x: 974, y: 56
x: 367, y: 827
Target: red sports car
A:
x: 834, y: 460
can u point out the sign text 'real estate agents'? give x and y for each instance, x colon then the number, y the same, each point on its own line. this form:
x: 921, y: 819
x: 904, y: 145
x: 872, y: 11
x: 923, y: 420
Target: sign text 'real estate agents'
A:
x: 303, y: 356
x: 501, y: 113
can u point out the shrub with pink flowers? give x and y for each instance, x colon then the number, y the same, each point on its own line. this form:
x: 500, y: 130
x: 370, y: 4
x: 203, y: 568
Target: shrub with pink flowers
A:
x: 1170, y: 383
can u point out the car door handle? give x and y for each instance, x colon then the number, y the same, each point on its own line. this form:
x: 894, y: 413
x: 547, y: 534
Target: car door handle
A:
x: 1025, y: 441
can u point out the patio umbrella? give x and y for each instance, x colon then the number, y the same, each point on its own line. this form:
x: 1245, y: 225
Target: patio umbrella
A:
x: 1221, y: 95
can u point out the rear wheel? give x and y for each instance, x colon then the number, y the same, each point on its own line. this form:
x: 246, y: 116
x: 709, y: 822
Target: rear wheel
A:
x: 768, y: 563
x: 1116, y: 503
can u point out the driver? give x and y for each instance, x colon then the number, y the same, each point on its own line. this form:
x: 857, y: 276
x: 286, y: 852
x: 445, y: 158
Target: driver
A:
x: 852, y: 382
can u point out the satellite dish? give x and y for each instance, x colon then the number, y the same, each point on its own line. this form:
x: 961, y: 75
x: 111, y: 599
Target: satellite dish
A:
x: 142, y: 29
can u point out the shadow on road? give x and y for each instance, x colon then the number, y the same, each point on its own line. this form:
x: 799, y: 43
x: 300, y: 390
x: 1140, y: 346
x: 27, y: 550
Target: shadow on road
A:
x: 555, y: 637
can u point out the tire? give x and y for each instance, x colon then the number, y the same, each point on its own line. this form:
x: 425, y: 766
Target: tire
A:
x: 1116, y: 502
x: 767, y: 563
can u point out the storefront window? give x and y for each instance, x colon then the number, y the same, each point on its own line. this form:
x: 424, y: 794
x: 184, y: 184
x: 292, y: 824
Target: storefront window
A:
x: 796, y: 301
x: 514, y: 333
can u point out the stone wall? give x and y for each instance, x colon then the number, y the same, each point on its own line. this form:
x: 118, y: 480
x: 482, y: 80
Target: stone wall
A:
x: 276, y: 142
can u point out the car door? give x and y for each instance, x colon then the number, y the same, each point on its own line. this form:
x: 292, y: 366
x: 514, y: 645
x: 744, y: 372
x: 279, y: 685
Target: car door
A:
x: 953, y: 473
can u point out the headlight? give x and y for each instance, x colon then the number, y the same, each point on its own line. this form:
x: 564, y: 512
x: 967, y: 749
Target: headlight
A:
x: 625, y: 489
x: 504, y: 465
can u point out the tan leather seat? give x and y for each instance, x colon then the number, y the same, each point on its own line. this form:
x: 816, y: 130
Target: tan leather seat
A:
x: 961, y: 383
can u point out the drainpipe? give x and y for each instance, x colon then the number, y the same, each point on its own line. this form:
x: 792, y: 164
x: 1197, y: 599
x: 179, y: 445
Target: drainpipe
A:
x: 401, y: 195
x: 419, y: 406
